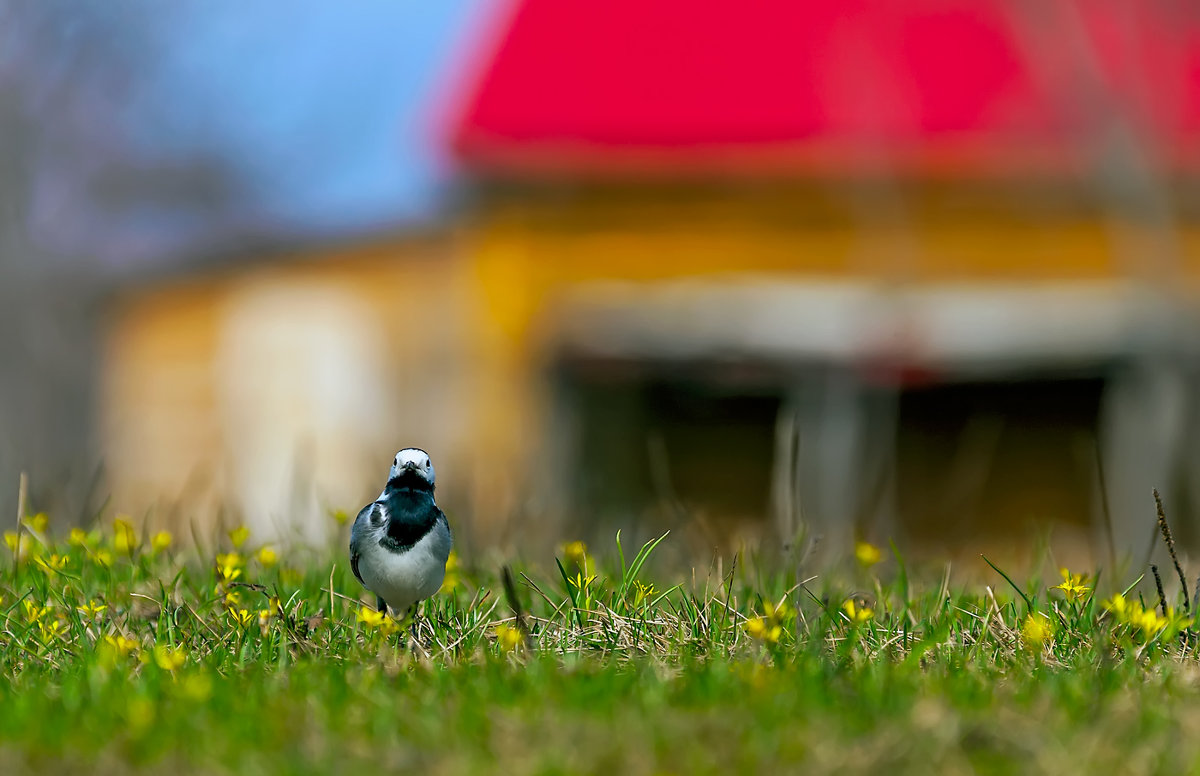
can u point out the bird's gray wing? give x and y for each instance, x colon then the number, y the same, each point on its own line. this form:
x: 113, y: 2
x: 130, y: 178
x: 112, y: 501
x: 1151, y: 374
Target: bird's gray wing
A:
x: 444, y: 524
x: 354, y: 556
x: 356, y: 536
x: 441, y: 516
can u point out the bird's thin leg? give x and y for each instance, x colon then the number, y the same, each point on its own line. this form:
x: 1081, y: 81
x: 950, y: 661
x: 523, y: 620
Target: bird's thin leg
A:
x: 380, y: 604
x: 410, y: 617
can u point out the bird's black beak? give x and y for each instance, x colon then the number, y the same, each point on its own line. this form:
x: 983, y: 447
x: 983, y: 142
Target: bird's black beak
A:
x: 410, y: 475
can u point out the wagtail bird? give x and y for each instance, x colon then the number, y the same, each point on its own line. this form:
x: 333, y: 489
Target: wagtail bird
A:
x: 400, y: 542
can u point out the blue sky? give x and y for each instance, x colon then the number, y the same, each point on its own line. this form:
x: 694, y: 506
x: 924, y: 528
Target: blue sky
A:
x: 322, y: 116
x: 327, y: 109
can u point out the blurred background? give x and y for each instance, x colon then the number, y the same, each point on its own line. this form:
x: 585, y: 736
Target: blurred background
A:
x: 779, y: 274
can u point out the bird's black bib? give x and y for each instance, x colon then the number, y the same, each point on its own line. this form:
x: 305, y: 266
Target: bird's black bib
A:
x: 412, y: 513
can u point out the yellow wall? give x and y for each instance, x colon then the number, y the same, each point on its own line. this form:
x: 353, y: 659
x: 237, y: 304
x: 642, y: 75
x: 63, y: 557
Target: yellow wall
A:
x: 530, y: 252
x: 207, y: 381
x: 527, y: 250
x: 460, y: 322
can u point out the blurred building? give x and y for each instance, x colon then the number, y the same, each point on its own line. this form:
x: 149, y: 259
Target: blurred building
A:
x: 923, y: 270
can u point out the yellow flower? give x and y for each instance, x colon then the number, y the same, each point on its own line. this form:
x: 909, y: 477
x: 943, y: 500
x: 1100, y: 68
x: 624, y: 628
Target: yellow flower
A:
x: 1148, y: 621
x: 451, y: 580
x: 376, y: 620
x: 33, y: 612
x: 582, y: 583
x: 867, y: 554
x: 372, y: 618
x: 122, y: 644
x: 238, y: 536
x: 104, y: 558
x: 1072, y: 586
x: 113, y: 648
x: 1177, y: 622
x: 19, y: 545
x: 576, y: 552
x: 776, y: 614
x: 229, y: 567
x: 52, y: 564
x: 37, y: 523
x: 340, y: 516
x: 758, y: 628
x: 1036, y: 630
x: 266, y: 556
x: 91, y: 610
x: 856, y: 614
x: 79, y: 538
x: 50, y: 629
x: 274, y: 609
x: 508, y: 638
x: 169, y: 658
x: 231, y: 559
x: 161, y: 541
x: 642, y: 593
x: 232, y: 599
x: 240, y: 616
x: 125, y: 537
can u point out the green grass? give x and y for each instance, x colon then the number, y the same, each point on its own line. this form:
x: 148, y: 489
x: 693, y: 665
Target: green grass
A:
x: 619, y: 674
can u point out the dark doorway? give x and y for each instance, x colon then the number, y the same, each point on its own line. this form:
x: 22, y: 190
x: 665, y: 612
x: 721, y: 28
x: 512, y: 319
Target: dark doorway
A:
x: 671, y: 447
x: 989, y: 462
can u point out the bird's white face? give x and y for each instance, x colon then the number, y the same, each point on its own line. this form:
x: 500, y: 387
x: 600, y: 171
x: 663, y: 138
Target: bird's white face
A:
x: 412, y: 459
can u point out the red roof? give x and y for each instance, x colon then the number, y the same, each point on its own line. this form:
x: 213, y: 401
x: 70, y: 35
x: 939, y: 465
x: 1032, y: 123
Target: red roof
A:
x: 809, y: 85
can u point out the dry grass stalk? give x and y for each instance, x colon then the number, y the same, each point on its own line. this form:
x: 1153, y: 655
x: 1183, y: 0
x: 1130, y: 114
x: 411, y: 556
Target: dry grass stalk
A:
x: 1170, y: 540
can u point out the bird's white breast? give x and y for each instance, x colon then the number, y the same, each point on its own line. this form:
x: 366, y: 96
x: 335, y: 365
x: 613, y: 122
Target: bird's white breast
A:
x: 404, y: 578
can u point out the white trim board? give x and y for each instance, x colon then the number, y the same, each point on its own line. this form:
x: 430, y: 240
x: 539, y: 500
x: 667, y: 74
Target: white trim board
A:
x: 954, y: 327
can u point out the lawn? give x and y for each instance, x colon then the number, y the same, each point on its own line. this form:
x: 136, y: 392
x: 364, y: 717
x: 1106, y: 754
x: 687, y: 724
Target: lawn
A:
x: 123, y: 652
